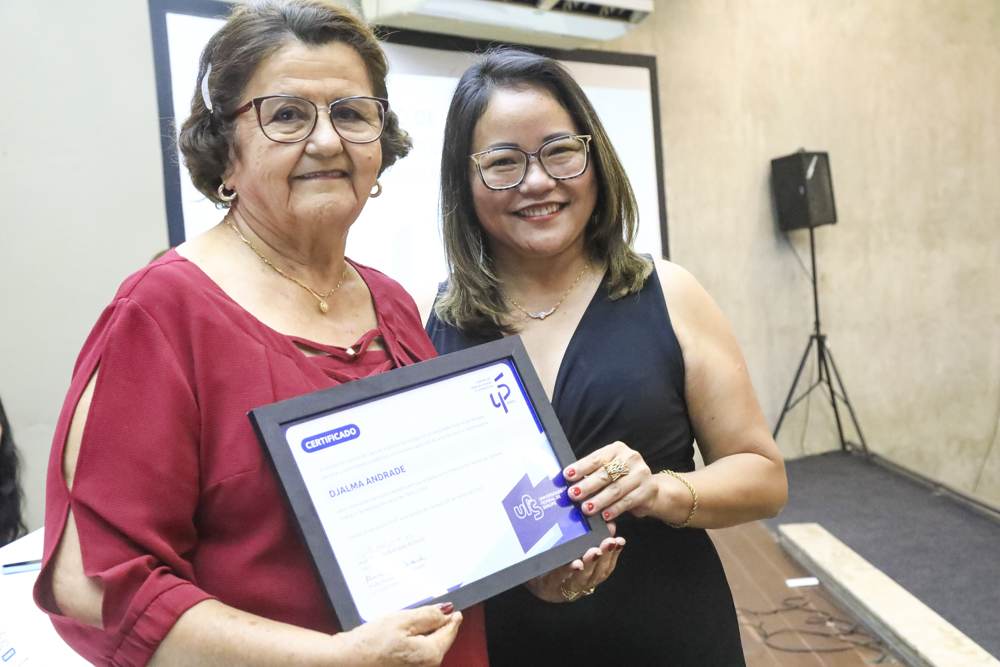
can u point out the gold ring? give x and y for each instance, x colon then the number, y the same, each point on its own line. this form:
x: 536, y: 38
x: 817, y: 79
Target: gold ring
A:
x: 572, y: 595
x: 616, y: 468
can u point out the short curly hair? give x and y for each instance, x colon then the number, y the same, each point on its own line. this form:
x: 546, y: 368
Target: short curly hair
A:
x: 254, y: 31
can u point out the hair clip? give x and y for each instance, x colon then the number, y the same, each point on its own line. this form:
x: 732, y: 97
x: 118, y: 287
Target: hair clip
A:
x: 204, y: 89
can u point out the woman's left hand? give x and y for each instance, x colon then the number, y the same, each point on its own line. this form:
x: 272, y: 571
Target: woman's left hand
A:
x: 569, y: 582
x: 591, y: 484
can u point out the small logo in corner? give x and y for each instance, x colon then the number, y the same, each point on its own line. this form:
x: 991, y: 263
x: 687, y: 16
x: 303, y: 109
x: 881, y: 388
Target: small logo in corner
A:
x: 499, y: 400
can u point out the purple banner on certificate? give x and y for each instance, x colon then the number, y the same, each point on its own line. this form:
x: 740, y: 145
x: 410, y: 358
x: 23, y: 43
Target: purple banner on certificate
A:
x: 534, y: 510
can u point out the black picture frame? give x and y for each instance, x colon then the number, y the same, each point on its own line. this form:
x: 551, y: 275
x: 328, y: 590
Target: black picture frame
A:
x: 158, y: 10
x: 271, y: 421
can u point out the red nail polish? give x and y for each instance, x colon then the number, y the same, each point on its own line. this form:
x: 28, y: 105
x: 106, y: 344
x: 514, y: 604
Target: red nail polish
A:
x: 607, y: 515
x: 576, y: 491
x: 590, y: 507
x: 446, y: 608
x: 570, y: 473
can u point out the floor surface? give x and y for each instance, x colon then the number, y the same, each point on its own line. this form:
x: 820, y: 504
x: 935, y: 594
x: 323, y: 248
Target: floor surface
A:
x: 757, y: 569
x: 938, y: 549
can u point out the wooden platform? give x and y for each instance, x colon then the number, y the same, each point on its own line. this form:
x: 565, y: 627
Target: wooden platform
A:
x: 915, y: 631
x: 757, y: 568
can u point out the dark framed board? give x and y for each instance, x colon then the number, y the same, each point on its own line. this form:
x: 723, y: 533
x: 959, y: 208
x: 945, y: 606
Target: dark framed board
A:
x: 436, y: 482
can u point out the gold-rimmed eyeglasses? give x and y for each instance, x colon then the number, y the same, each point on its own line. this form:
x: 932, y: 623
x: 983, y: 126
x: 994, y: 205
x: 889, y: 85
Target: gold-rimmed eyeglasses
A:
x: 287, y: 119
x: 561, y: 158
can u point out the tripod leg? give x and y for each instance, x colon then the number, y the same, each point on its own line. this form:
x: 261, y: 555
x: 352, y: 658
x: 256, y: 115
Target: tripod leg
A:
x: 827, y: 378
x: 847, y: 402
x: 795, y: 382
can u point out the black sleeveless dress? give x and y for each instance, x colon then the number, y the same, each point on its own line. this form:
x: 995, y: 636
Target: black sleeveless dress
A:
x: 667, y: 602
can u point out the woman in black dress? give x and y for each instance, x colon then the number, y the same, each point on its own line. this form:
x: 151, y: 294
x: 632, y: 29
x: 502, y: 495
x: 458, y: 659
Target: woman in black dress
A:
x: 637, y: 360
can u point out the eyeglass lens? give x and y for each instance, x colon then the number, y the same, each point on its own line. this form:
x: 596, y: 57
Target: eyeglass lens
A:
x: 290, y: 119
x: 562, y: 158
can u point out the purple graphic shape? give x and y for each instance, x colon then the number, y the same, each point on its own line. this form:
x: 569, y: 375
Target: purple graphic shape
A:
x: 533, y: 510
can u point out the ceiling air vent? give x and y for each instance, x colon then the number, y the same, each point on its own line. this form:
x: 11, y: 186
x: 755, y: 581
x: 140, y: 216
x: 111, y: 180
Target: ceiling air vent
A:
x: 556, y: 23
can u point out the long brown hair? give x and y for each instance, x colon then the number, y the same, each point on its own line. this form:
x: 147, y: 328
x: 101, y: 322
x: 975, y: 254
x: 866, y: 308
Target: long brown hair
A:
x: 472, y: 300
x: 11, y: 522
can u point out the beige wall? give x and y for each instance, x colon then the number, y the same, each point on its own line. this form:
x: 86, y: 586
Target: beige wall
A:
x: 903, y: 93
x: 81, y: 195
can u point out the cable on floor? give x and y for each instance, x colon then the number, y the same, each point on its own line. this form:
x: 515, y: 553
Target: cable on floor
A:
x: 850, y: 635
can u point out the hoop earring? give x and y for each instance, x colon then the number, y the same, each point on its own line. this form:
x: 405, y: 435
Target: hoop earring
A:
x: 222, y: 193
x: 378, y: 190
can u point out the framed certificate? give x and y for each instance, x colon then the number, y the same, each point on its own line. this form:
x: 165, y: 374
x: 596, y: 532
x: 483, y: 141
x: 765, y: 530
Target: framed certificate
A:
x: 440, y: 481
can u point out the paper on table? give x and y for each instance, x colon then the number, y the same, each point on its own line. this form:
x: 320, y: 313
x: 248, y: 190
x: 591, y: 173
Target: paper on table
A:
x: 26, y: 634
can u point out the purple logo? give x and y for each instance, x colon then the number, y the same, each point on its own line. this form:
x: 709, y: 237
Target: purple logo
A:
x: 330, y: 438
x: 503, y: 393
x: 527, y: 507
x: 534, y: 510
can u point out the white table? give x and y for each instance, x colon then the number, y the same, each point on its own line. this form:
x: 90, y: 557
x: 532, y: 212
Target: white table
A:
x: 24, y: 628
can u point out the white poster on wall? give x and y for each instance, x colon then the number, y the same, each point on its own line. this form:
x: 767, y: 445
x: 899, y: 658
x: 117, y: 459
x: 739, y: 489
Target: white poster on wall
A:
x: 399, y: 233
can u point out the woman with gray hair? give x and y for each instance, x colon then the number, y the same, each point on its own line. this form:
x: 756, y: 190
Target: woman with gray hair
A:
x: 166, y: 540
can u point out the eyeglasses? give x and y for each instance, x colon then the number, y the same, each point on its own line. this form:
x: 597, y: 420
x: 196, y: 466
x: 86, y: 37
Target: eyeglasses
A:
x: 287, y: 119
x: 562, y: 158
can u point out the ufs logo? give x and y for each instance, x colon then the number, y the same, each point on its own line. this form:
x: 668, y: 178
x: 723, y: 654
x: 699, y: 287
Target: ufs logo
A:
x: 528, y: 506
x: 503, y: 393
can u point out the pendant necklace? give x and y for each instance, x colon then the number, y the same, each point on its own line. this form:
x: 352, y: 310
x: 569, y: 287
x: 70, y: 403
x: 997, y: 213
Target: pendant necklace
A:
x: 541, y: 315
x: 323, y: 306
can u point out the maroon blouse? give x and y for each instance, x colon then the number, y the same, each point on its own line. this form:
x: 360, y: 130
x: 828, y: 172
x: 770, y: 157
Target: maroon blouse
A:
x: 172, y: 498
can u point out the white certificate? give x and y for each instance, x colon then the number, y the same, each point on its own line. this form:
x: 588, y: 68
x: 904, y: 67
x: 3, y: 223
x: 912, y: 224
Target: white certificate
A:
x: 433, y: 486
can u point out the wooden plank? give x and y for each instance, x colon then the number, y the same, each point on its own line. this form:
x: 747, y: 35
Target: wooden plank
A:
x: 921, y: 636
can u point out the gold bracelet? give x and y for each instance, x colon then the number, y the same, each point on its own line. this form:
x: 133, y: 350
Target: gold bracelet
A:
x: 694, y: 494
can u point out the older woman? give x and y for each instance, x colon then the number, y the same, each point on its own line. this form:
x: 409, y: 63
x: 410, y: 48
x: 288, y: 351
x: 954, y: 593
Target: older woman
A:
x: 636, y: 357
x: 166, y: 538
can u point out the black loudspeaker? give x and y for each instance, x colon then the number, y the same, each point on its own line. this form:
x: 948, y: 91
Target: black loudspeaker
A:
x: 803, y: 190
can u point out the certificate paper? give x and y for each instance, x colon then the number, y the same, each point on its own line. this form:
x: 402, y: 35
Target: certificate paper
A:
x: 424, y: 491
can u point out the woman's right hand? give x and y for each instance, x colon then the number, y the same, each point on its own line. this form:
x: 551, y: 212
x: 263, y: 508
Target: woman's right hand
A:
x: 409, y: 638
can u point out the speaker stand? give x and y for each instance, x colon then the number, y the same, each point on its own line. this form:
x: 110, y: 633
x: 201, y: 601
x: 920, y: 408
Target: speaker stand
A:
x: 824, y: 362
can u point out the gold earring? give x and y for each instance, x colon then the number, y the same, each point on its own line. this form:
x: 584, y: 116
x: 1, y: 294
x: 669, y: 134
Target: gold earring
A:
x: 378, y: 190
x: 222, y: 193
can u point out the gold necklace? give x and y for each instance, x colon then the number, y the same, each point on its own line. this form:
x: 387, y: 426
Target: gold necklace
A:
x: 323, y: 306
x: 541, y: 315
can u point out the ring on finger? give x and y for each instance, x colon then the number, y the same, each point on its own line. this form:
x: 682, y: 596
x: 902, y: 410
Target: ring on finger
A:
x: 616, y: 468
x: 573, y: 595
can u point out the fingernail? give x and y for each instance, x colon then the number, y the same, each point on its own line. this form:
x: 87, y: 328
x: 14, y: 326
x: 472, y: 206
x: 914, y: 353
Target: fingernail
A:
x: 570, y: 473
x: 446, y: 608
x: 576, y: 491
x: 607, y: 515
x: 590, y: 507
